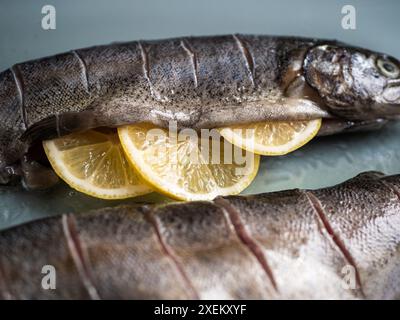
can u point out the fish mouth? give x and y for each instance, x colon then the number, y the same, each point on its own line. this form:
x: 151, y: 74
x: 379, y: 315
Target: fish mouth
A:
x: 391, y: 93
x: 391, y: 100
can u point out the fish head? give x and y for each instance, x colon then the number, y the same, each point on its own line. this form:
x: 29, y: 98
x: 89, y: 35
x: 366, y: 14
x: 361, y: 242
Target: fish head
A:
x: 354, y: 83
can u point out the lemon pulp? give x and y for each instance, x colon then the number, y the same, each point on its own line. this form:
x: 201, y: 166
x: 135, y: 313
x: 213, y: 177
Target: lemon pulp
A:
x: 94, y: 163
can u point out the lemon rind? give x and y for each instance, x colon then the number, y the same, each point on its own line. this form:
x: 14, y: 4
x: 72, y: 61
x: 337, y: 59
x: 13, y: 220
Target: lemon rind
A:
x: 78, y: 184
x: 294, y: 144
x: 178, y: 193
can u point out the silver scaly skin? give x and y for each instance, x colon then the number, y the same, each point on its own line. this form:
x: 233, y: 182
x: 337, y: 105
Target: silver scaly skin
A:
x: 295, y: 244
x: 200, y: 82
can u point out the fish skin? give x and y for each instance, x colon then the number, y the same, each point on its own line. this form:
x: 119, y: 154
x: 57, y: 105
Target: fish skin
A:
x: 199, y: 82
x: 210, y: 252
x: 215, y: 249
x: 129, y: 238
x: 24, y: 282
x: 295, y: 245
x: 380, y: 219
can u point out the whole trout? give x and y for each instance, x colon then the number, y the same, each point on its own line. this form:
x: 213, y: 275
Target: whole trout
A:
x: 201, y: 82
x: 334, y: 243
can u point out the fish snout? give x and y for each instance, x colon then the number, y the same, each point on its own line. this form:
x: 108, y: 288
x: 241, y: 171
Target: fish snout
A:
x: 391, y: 93
x: 390, y: 100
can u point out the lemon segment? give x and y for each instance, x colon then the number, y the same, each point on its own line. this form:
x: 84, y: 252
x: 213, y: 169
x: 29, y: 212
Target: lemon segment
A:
x: 187, y: 168
x: 94, y: 163
x: 272, y: 138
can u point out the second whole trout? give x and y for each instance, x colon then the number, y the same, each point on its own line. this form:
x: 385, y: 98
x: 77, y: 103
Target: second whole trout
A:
x: 199, y: 82
x: 341, y: 242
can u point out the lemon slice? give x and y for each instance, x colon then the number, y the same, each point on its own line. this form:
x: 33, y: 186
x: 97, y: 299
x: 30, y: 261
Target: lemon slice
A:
x: 273, y: 138
x: 185, y: 168
x: 94, y: 163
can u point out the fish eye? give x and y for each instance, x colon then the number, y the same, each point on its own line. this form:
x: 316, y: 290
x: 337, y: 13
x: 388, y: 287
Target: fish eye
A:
x: 388, y: 68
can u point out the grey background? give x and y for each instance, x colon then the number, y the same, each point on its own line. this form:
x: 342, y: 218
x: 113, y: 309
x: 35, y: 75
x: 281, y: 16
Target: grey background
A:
x: 83, y: 23
x: 323, y: 162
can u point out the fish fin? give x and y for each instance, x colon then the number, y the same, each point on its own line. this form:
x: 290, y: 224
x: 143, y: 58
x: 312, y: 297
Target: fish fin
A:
x: 36, y: 176
x: 59, y: 125
x: 281, y: 109
x: 46, y: 128
x: 336, y: 126
x: 369, y: 175
x: 10, y: 175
